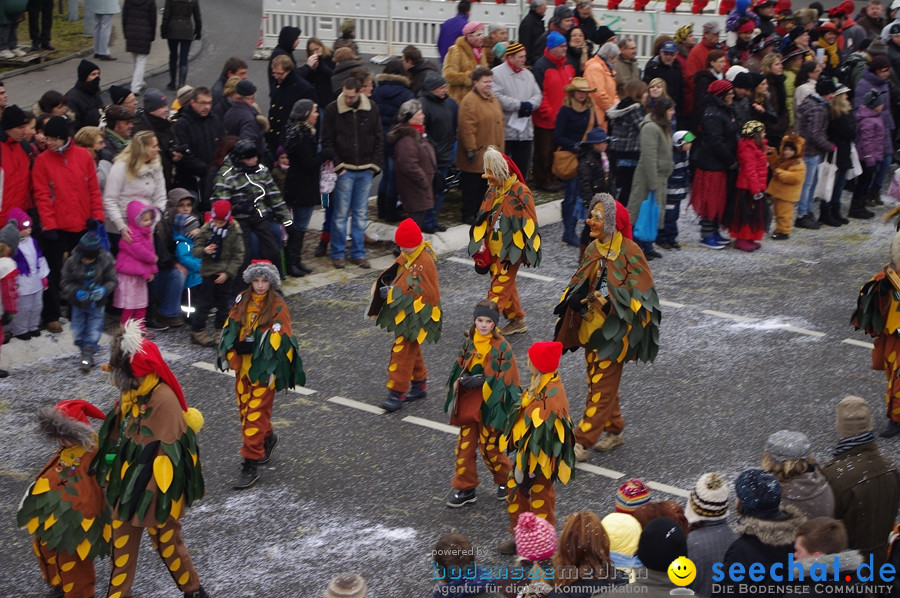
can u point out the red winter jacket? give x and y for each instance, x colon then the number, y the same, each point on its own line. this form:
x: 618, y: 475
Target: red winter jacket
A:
x: 552, y: 76
x: 753, y: 168
x: 16, y: 179
x: 66, y: 190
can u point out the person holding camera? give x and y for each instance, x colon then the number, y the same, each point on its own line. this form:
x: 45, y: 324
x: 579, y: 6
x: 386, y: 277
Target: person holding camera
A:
x: 154, y: 116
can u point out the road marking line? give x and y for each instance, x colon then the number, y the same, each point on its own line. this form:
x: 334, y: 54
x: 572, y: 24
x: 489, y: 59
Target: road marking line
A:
x: 668, y: 489
x: 721, y: 314
x: 209, y: 367
x: 356, y: 405
x: 169, y: 356
x: 459, y: 260
x: 597, y: 470
x: 469, y: 262
x: 427, y: 423
x: 814, y: 333
x: 853, y: 341
x: 671, y: 304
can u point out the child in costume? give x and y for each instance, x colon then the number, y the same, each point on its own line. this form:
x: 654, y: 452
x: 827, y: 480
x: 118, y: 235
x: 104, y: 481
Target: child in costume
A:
x: 484, y: 388
x: 611, y: 309
x: 64, y: 508
x: 32, y: 281
x: 258, y: 345
x: 136, y: 263
x: 9, y: 274
x: 788, y: 174
x: 221, y: 246
x: 543, y: 436
x: 87, y: 281
x: 677, y: 189
x: 746, y: 213
x: 406, y: 301
x: 507, y: 226
x: 150, y: 461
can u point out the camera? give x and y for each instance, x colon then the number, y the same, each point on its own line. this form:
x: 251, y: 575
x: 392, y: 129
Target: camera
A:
x: 182, y: 149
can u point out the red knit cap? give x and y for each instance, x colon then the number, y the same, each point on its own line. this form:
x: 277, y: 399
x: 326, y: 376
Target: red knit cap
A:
x: 719, y: 86
x: 79, y: 410
x: 535, y: 537
x: 221, y: 210
x: 408, y: 234
x: 545, y: 356
x: 747, y: 27
x: 631, y: 495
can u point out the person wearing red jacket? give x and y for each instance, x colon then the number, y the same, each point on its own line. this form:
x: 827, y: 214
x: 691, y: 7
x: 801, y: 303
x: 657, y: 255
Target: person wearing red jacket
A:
x: 67, y: 195
x: 696, y: 61
x: 14, y: 163
x: 746, y: 215
x: 552, y: 73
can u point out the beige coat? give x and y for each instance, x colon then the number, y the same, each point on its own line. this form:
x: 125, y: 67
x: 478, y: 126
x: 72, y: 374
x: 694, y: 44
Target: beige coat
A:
x: 481, y: 124
x: 458, y: 66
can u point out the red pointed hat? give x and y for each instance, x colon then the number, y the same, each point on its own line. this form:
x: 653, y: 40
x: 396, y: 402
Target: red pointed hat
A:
x: 408, y: 234
x: 79, y: 410
x: 148, y: 360
x: 545, y: 356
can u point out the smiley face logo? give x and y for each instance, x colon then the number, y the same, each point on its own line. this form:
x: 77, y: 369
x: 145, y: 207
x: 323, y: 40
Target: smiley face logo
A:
x: 682, y: 571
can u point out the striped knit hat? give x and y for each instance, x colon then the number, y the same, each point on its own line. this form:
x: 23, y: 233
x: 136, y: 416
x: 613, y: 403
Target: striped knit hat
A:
x: 708, y: 500
x: 631, y: 495
x: 513, y: 48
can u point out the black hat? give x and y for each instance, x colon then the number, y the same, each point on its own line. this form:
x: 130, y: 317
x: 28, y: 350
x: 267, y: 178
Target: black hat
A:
x: 662, y: 541
x: 433, y: 80
x: 825, y: 86
x: 154, y: 99
x: 602, y: 34
x: 759, y: 494
x: 85, y: 68
x: 743, y: 81
x: 57, y: 127
x: 245, y: 87
x: 12, y: 117
x: 245, y: 148
x: 118, y: 93
x: 89, y: 245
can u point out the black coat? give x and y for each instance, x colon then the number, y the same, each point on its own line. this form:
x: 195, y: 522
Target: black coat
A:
x: 283, y: 98
x: 441, y: 125
x: 389, y: 94
x: 301, y: 188
x: 85, y: 104
x: 287, y: 37
x: 202, y: 136
x: 240, y: 120
x: 320, y: 79
x: 672, y: 75
x: 530, y: 31
x: 176, y: 20
x: 340, y: 73
x: 718, y: 138
x: 592, y: 177
x: 139, y: 25
x: 165, y: 135
x: 418, y: 72
x: 842, y: 133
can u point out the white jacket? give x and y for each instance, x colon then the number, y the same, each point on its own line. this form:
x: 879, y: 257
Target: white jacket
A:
x: 511, y: 90
x: 148, y: 187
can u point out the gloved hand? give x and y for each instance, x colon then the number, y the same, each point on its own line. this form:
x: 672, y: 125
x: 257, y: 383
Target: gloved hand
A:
x: 98, y: 293
x: 471, y: 156
x: 758, y: 196
x: 525, y: 109
x: 82, y: 295
x: 383, y: 291
x: 470, y: 381
x: 197, y: 35
x: 51, y: 235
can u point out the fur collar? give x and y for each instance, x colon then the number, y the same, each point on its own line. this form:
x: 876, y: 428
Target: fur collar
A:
x: 850, y: 560
x: 772, y: 533
x: 624, y: 107
x: 364, y: 104
x: 390, y: 78
x: 147, y: 168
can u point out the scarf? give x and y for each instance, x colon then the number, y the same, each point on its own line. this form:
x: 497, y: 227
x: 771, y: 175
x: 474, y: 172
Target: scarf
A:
x: 477, y: 52
x: 482, y: 344
x: 558, y: 63
x: 513, y: 68
x: 848, y: 443
x: 419, y: 128
x: 831, y: 52
x: 412, y: 257
x: 218, y: 237
x: 21, y: 262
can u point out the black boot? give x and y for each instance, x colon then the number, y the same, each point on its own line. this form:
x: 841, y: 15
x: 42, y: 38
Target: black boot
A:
x: 200, y: 593
x: 182, y: 75
x: 836, y: 212
x: 858, y: 207
x: 321, y: 248
x: 292, y: 254
x: 417, y: 391
x: 825, y: 216
x: 269, y: 447
x: 248, y: 475
x: 173, y: 69
x: 87, y: 359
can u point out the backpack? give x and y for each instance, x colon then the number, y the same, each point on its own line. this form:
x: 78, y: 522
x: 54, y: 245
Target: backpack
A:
x: 844, y: 71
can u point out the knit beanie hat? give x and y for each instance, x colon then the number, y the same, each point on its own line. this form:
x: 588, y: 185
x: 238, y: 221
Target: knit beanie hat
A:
x: 624, y: 533
x: 878, y: 63
x: 57, y: 127
x: 825, y: 86
x: 555, y: 39
x: 872, y: 99
x: 12, y: 117
x: 878, y: 47
x: 631, y: 495
x: 184, y: 223
x: 562, y: 12
x: 408, y: 234
x: 492, y: 312
x: 719, y: 87
x: 118, y: 93
x: 602, y: 35
x: 662, y: 541
x: 9, y: 235
x: 19, y: 215
x: 535, y: 537
x: 708, y: 500
x: 302, y: 109
x: 472, y: 27
x: 743, y: 81
x: 545, y: 356
x: 759, y: 494
x: 788, y: 445
x: 245, y: 88
x: 854, y: 416
x: 89, y: 245
x: 346, y: 585
x: 221, y: 210
x: 85, y: 68
x: 433, y: 80
x: 154, y: 99
x: 514, y: 48
x: 263, y: 268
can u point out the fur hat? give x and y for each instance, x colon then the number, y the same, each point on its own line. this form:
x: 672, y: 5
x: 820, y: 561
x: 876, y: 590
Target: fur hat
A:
x: 118, y: 93
x: 788, y: 445
x: 708, y: 500
x: 302, y: 109
x: 89, y: 245
x: 631, y: 495
x: 19, y: 215
x: 68, y: 422
x: 662, y: 541
x: 759, y: 494
x: 624, y: 533
x: 57, y: 127
x: 545, y: 356
x: 9, y: 235
x: 263, y: 268
x: 347, y: 585
x: 433, y: 80
x: 854, y: 416
x: 535, y: 537
x: 12, y: 117
x: 118, y: 113
x: 85, y: 68
x: 408, y: 234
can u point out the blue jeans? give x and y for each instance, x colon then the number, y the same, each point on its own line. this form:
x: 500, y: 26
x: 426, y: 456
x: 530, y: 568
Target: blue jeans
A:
x: 301, y: 218
x: 351, y: 201
x: 87, y: 325
x: 388, y: 182
x: 570, y: 205
x: 431, y: 220
x: 167, y: 287
x: 805, y: 205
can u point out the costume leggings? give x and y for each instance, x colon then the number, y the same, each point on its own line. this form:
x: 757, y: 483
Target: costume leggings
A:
x: 75, y: 577
x: 540, y: 499
x: 167, y: 541
x: 255, y: 407
x: 601, y: 411
x: 503, y: 289
x: 891, y: 365
x: 134, y: 314
x: 473, y: 436
x: 406, y: 365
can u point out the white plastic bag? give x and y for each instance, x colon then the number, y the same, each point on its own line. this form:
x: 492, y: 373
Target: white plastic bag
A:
x: 327, y: 177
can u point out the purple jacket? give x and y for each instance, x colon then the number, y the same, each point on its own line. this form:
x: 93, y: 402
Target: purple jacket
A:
x: 138, y: 258
x: 868, y: 81
x: 870, y: 135
x: 451, y: 29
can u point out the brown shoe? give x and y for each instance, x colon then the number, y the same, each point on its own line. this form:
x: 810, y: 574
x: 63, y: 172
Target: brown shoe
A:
x: 203, y: 339
x: 55, y: 327
x: 170, y: 322
x: 362, y: 263
x: 581, y: 453
x: 339, y: 263
x: 514, y: 326
x: 609, y: 442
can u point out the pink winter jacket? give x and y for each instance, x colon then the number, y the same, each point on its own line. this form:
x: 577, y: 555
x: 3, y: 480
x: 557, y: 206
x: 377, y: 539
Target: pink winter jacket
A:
x: 138, y: 258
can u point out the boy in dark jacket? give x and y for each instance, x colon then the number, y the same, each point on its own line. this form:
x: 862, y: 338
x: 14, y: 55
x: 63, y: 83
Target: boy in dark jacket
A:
x: 88, y: 279
x: 677, y: 188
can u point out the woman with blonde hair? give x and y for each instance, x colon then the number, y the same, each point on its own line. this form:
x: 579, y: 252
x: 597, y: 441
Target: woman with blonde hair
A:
x: 842, y: 133
x: 582, y: 563
x: 92, y: 139
x: 136, y: 175
x: 773, y: 71
x: 803, y: 485
x: 318, y: 69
